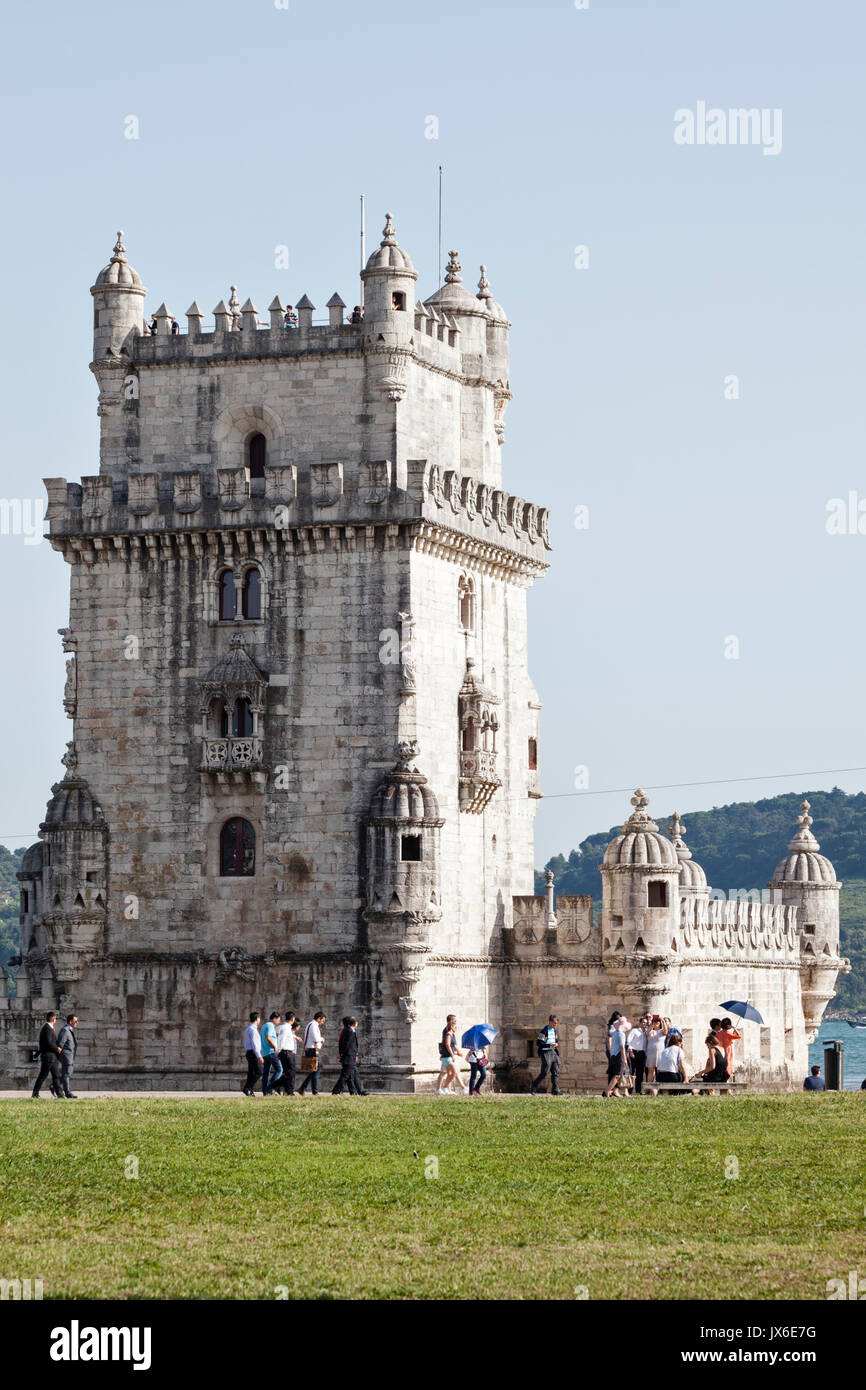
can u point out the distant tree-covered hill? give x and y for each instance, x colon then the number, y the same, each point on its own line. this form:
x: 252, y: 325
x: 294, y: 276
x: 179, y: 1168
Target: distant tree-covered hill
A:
x: 10, y: 863
x: 738, y: 846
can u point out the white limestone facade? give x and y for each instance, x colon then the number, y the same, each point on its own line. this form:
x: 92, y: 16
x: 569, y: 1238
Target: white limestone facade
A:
x: 304, y: 762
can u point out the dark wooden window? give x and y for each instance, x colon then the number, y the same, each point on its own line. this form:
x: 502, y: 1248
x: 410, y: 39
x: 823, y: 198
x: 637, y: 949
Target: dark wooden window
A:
x: 257, y: 456
x: 251, y: 594
x: 657, y: 893
x: 533, y: 755
x: 242, y: 719
x: 410, y: 847
x: 228, y: 597
x: 237, y: 849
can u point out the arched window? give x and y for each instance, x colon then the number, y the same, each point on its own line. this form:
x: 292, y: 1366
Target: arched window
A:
x: 251, y: 594
x: 468, y: 738
x: 242, y: 719
x: 466, y: 602
x: 228, y: 599
x: 237, y: 849
x: 257, y: 454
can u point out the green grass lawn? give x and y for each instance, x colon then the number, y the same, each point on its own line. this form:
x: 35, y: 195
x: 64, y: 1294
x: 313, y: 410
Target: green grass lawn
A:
x: 533, y: 1197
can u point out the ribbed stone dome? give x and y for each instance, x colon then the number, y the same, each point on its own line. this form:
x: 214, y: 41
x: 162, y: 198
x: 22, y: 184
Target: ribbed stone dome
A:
x: 641, y: 842
x: 118, y: 272
x: 388, y: 255
x: 72, y: 804
x: 803, y: 863
x: 404, y: 794
x: 31, y: 861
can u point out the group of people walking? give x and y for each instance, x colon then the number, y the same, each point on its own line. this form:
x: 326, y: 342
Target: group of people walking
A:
x: 272, y: 1055
x: 57, y: 1056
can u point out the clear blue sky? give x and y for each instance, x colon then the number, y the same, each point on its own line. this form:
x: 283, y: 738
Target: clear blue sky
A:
x: 261, y: 126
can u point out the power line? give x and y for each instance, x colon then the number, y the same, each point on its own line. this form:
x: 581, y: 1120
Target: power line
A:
x: 709, y: 782
x: 650, y: 786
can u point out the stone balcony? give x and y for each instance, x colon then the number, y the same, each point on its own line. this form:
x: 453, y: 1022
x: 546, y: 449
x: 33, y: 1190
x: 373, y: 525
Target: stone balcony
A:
x: 478, y: 780
x: 234, y: 759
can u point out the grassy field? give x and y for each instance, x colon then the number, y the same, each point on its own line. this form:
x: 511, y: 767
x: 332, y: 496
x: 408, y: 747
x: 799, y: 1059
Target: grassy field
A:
x: 533, y: 1197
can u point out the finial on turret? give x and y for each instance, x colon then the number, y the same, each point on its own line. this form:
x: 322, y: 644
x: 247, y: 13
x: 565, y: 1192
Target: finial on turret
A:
x: 70, y: 758
x: 452, y: 274
x: 640, y: 800
x: 676, y: 832
x: 804, y: 818
x: 484, y: 285
x: 389, y: 236
x: 119, y: 249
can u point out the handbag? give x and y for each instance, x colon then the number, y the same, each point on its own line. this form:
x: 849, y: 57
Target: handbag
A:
x: 310, y: 1060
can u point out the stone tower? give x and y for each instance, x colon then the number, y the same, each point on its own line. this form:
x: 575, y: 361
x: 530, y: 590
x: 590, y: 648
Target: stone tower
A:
x: 806, y: 879
x: 303, y: 765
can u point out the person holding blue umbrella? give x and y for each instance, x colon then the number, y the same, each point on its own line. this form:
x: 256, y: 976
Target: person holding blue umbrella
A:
x: 476, y: 1040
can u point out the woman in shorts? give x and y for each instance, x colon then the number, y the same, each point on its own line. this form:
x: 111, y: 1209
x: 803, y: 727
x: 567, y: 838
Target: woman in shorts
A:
x: 448, y: 1054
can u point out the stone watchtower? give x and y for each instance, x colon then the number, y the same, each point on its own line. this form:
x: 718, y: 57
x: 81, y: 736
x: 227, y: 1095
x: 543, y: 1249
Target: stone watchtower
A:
x: 303, y: 767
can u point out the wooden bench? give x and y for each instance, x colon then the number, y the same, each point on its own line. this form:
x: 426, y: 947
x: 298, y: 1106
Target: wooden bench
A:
x: 653, y: 1087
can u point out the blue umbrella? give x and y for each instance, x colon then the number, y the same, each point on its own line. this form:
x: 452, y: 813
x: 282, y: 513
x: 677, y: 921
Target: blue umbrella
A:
x: 479, y: 1036
x: 745, y: 1011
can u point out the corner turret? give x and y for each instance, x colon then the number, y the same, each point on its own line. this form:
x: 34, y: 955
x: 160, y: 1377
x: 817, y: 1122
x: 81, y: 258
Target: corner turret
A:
x: 807, y: 880
x: 118, y: 306
x: 640, y: 894
x: 389, y: 277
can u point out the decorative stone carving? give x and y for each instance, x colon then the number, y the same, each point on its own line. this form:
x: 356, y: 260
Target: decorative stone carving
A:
x: 233, y: 960
x: 375, y: 480
x: 435, y: 487
x: 452, y: 488
x: 281, y: 485
x: 143, y: 493
x: 97, y: 496
x: 501, y: 397
x: 326, y: 482
x: 234, y: 488
x: 70, y: 695
x: 187, y: 492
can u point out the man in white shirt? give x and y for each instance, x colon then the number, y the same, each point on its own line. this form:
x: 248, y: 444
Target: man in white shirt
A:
x: 253, y: 1049
x: 287, y: 1046
x: 636, y: 1044
x: 313, y: 1040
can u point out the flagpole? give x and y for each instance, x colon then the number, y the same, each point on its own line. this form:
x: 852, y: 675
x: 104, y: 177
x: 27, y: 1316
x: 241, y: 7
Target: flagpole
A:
x: 362, y: 248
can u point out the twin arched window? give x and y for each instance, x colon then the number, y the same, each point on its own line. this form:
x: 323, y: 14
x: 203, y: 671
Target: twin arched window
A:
x: 466, y: 602
x: 250, y: 595
x: 237, y: 849
x: 241, y: 720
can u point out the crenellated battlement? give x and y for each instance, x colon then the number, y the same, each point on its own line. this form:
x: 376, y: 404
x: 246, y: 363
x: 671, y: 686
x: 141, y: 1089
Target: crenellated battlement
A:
x: 757, y: 929
x: 321, y: 493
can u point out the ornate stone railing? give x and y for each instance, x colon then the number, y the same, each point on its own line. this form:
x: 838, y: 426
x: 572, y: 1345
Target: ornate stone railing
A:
x: 227, y: 754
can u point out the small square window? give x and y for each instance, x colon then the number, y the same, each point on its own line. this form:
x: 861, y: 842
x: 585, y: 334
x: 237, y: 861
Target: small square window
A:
x: 398, y: 300
x: 410, y: 847
x: 657, y: 893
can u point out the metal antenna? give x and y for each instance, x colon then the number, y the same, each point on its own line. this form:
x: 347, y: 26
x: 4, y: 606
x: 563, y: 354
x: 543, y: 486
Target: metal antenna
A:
x: 362, y: 248
x: 439, y: 281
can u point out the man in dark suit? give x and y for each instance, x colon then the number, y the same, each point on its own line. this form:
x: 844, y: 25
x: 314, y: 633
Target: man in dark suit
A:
x: 67, y: 1041
x: 49, y: 1058
x: 347, y: 1047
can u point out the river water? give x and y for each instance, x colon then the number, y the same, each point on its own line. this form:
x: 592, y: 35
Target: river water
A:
x: 854, y: 1040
